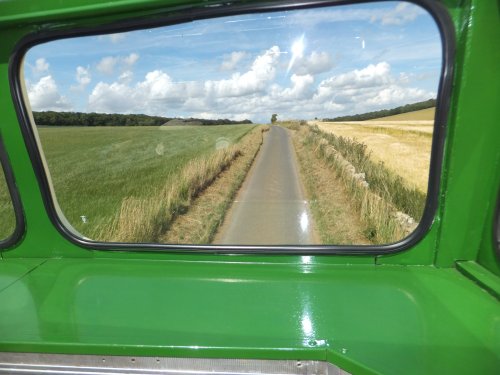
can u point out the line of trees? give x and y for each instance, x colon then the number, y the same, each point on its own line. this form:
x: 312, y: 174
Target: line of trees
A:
x: 53, y: 118
x: 386, y: 112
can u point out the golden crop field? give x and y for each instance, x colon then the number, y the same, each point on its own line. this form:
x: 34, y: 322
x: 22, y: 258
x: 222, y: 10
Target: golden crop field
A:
x: 402, y: 142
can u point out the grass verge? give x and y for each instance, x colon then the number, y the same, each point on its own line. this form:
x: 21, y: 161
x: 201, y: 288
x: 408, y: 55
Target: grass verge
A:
x: 145, y: 219
x: 387, y: 184
x: 334, y: 214
x: 376, y: 193
x: 201, y: 222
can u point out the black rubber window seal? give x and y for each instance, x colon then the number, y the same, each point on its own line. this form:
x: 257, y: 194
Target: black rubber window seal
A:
x: 20, y: 226
x: 190, y: 13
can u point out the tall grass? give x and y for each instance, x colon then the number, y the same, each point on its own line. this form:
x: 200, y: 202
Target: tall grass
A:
x: 381, y: 180
x: 145, y: 219
x: 376, y: 192
x: 336, y: 219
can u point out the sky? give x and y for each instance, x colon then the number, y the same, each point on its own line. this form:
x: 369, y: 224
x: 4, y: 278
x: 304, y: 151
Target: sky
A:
x: 299, y: 64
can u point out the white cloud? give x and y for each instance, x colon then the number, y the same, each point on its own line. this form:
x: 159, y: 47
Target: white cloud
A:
x: 262, y: 71
x: 44, y: 96
x: 370, y: 88
x: 113, y: 38
x: 372, y: 75
x: 231, y: 60
x: 400, y: 15
x: 207, y: 115
x: 130, y: 59
x: 83, y: 78
x: 126, y: 76
x: 107, y: 65
x: 151, y: 95
x: 398, y: 94
x: 158, y: 85
x: 257, y: 93
x: 41, y: 66
x: 157, y: 90
x: 315, y: 63
x: 301, y: 85
x: 111, y: 98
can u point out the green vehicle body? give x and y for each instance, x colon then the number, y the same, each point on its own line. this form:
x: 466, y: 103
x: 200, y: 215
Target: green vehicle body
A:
x: 430, y: 309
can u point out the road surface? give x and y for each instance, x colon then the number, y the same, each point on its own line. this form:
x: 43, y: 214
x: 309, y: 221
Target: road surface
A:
x: 270, y: 208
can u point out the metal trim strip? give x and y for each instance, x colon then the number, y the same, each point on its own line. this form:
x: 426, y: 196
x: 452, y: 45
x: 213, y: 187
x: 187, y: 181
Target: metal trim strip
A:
x: 34, y: 363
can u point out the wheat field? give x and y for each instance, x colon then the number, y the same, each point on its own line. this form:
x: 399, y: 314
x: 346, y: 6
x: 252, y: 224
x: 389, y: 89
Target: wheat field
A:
x: 402, y: 142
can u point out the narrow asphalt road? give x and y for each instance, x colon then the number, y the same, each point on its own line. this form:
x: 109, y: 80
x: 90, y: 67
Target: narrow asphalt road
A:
x: 270, y: 208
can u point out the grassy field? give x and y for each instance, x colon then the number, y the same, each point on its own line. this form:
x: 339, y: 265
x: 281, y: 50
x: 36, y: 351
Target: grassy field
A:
x: 103, y: 176
x: 403, y: 143
x: 7, y: 218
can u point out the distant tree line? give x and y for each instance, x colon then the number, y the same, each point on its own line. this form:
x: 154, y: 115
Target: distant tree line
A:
x: 386, y: 112
x: 104, y: 119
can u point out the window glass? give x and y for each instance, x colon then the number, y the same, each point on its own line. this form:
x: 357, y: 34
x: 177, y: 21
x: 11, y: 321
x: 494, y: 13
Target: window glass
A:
x: 298, y: 127
x: 7, y: 215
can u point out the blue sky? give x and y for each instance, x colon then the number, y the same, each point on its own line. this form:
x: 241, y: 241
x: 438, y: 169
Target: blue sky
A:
x: 322, y: 62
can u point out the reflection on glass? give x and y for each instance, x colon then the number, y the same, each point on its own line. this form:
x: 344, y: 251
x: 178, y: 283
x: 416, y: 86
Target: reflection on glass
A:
x: 7, y: 216
x: 296, y: 127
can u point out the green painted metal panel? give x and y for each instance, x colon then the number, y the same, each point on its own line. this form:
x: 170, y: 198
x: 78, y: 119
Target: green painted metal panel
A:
x: 15, y: 269
x: 15, y: 13
x: 410, y: 313
x: 481, y: 275
x: 489, y: 253
x: 392, y: 319
x: 473, y: 152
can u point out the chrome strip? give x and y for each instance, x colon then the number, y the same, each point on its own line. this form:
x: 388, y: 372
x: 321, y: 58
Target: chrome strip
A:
x: 33, y: 363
